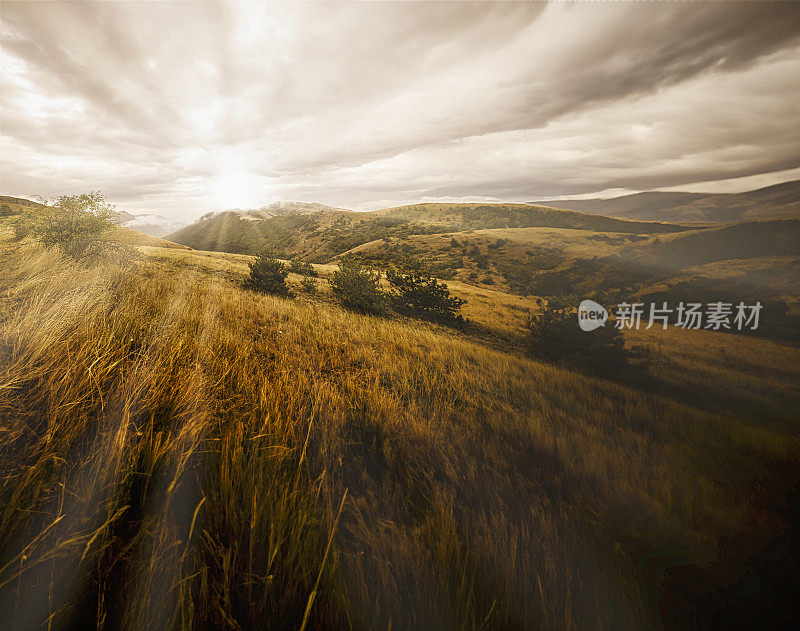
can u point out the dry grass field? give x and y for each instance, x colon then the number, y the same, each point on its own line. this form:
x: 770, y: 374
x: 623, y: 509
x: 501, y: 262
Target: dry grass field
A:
x: 177, y: 452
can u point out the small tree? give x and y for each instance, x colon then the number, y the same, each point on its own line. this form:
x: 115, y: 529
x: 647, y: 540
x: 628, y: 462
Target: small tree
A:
x: 268, y: 275
x: 553, y: 334
x: 358, y: 288
x: 77, y: 225
x: 421, y: 296
x: 302, y: 267
x: 309, y: 284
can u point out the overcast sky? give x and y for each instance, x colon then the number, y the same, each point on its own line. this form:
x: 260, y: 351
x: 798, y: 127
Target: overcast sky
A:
x: 180, y: 108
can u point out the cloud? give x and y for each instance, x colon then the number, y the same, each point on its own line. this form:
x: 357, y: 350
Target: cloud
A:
x: 169, y: 106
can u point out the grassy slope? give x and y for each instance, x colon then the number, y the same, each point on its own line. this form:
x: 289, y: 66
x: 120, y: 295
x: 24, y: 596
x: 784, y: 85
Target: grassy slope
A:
x: 768, y: 275
x: 743, y: 240
x: 19, y: 204
x: 495, y: 311
x: 175, y: 450
x: 134, y: 237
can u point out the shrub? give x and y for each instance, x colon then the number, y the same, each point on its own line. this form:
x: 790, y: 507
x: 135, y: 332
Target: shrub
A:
x: 553, y: 334
x: 77, y: 225
x: 309, y: 284
x: 268, y: 275
x: 302, y: 267
x: 6, y: 210
x: 424, y: 297
x: 358, y: 288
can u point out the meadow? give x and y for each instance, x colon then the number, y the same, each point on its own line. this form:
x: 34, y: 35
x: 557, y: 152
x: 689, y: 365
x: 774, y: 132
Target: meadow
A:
x: 178, y: 452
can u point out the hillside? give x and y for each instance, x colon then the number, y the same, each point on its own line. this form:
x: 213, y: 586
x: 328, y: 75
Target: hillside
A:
x: 780, y: 200
x: 323, y: 235
x: 528, y: 261
x: 606, y: 266
x: 196, y: 451
x: 759, y: 277
x: 19, y: 203
x: 531, y: 261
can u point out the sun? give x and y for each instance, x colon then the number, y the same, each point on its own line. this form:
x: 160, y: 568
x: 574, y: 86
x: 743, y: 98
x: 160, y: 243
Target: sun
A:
x: 238, y: 189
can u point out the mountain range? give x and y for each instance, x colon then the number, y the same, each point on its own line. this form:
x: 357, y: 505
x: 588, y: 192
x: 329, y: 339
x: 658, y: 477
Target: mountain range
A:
x: 778, y: 201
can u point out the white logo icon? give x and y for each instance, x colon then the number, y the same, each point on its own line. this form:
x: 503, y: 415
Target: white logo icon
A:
x: 591, y: 315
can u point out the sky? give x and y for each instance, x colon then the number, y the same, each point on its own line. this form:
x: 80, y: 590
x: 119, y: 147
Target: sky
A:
x: 181, y: 108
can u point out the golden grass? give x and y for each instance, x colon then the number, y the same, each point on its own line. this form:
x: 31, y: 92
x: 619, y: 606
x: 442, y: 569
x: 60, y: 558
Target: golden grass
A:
x: 174, y: 453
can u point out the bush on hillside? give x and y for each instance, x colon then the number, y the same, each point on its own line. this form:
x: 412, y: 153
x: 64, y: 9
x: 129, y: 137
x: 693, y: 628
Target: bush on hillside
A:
x: 302, y: 267
x: 553, y: 334
x: 268, y: 275
x: 421, y: 296
x: 358, y: 288
x: 6, y: 210
x: 309, y: 284
x: 78, y: 225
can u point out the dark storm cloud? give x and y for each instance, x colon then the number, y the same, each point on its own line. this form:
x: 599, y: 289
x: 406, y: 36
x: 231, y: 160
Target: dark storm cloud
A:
x: 205, y: 105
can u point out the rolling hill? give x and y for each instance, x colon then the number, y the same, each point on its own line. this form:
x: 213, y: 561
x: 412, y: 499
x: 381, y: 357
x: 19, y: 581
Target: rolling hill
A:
x: 780, y: 200
x: 460, y: 217
x: 748, y: 239
x: 322, y: 235
x: 744, y: 261
x: 19, y: 203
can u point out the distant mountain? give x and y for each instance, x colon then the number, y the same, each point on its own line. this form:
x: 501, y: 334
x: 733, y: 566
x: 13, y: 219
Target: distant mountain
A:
x: 121, y: 217
x: 283, y: 209
x: 153, y: 224
x: 772, y: 202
